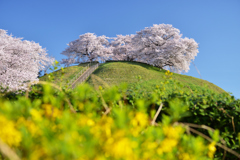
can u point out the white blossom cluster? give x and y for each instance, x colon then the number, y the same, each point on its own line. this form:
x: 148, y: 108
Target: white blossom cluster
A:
x: 87, y: 47
x: 160, y: 45
x: 20, y: 62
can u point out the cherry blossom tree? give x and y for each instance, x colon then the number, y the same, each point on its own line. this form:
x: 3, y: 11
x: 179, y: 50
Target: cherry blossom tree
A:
x: 160, y: 45
x: 89, y: 47
x: 20, y: 62
x: 163, y: 46
x: 122, y: 48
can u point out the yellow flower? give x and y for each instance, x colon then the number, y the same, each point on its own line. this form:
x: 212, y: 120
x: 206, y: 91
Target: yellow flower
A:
x: 140, y: 119
x: 31, y: 126
x: 212, y: 149
x: 172, y: 132
x: 159, y: 151
x: 8, y: 133
x: 168, y: 144
x: 151, y: 145
x: 36, y: 115
x: 136, y: 131
x: 185, y: 156
x: 120, y: 148
x: 168, y: 73
x: 90, y: 122
x: 51, y: 111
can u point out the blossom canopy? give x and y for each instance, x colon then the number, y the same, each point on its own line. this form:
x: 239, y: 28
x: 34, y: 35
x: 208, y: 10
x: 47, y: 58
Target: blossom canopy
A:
x: 20, y: 62
x: 161, y: 45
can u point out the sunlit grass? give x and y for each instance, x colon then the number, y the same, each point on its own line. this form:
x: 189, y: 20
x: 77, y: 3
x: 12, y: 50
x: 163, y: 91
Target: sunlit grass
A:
x: 69, y: 74
x: 146, y: 76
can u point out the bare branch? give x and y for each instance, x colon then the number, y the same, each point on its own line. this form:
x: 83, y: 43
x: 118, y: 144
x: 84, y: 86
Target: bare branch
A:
x: 156, y: 115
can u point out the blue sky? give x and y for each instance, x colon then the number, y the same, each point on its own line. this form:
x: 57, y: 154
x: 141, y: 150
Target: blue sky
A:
x: 214, y: 24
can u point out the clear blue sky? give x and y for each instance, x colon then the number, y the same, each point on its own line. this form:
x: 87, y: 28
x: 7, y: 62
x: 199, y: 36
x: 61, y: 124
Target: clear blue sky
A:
x: 214, y: 24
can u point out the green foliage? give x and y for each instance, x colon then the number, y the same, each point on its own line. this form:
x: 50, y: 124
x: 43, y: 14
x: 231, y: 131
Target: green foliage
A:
x: 218, y: 111
x: 120, y: 122
x: 45, y: 128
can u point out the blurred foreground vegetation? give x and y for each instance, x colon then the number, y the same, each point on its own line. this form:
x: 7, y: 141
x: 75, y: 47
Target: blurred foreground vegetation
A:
x: 119, y: 122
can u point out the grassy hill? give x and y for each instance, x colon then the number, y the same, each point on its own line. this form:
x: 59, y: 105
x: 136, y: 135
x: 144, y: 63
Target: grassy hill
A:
x: 133, y: 73
x: 145, y: 76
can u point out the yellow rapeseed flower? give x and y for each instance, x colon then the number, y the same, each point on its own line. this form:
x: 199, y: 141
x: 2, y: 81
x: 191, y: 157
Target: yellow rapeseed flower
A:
x: 90, y: 122
x: 168, y: 73
x: 36, y: 115
x: 211, y: 149
x: 120, y: 148
x: 168, y: 144
x: 8, y: 133
x: 51, y: 111
x: 30, y: 125
x: 140, y: 119
x: 172, y: 132
x: 186, y: 156
x: 135, y: 131
x: 152, y: 145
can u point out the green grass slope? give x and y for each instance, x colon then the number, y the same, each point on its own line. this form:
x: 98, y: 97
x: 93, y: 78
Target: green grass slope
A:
x: 114, y: 73
x: 69, y: 74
